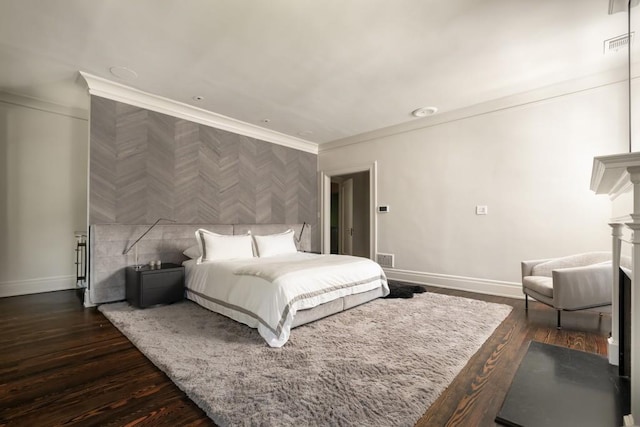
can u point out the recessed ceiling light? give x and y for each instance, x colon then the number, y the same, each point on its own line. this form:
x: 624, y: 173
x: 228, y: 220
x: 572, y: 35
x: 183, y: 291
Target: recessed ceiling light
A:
x: 198, y: 98
x: 123, y: 73
x: 424, y: 111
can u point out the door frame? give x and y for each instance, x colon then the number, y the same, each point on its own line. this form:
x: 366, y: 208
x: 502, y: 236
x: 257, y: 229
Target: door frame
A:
x: 344, y: 218
x: 325, y: 204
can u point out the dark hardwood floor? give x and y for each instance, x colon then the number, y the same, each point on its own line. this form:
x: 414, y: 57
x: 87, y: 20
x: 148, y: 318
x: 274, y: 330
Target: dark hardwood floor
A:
x: 62, y: 364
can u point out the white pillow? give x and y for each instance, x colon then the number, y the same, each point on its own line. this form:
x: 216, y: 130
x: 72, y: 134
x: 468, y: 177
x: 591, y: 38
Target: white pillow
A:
x: 221, y: 247
x: 275, y: 244
x: 192, y: 252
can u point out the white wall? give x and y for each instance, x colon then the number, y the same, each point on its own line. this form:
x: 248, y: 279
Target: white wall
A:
x: 43, y: 194
x: 530, y: 164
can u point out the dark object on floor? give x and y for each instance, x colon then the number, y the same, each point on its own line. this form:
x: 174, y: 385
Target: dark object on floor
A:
x: 557, y: 386
x: 404, y: 290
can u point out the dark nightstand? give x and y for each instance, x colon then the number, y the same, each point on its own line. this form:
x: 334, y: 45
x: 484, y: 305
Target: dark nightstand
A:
x: 147, y: 287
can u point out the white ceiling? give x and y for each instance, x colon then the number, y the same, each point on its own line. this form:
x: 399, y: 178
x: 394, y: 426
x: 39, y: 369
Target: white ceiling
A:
x: 336, y: 68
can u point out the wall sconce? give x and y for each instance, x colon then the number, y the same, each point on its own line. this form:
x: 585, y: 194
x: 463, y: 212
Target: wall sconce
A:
x: 126, y: 251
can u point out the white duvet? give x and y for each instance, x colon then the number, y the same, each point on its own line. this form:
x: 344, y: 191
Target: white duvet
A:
x: 266, y: 293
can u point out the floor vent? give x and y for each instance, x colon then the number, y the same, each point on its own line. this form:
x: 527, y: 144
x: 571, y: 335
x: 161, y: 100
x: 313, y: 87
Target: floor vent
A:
x: 617, y: 43
x: 385, y: 260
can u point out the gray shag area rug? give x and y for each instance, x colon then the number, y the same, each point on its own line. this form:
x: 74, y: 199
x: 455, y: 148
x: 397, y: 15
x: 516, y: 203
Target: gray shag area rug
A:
x: 379, y: 364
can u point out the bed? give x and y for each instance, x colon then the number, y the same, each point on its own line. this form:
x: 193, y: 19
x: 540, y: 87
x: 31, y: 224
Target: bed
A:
x: 172, y: 243
x: 279, y: 288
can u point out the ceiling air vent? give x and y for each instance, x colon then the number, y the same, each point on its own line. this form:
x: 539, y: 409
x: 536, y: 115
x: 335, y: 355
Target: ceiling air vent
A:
x: 617, y: 43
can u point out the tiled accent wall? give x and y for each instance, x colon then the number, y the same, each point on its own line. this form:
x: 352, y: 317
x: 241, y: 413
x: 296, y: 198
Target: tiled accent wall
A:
x: 146, y: 165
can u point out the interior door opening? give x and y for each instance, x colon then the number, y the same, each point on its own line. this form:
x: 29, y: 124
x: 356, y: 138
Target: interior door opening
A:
x: 350, y: 214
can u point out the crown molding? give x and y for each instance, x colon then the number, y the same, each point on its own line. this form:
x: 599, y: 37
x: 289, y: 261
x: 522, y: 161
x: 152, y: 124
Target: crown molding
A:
x: 43, y: 105
x: 615, y: 76
x: 118, y: 92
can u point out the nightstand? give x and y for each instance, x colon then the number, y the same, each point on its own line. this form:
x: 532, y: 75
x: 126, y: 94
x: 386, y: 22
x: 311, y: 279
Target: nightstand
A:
x: 146, y: 287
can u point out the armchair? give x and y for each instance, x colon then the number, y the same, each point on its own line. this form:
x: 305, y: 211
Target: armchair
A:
x: 570, y: 283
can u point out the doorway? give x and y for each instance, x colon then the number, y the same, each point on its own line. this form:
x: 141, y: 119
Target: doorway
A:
x: 361, y: 234
x: 350, y: 214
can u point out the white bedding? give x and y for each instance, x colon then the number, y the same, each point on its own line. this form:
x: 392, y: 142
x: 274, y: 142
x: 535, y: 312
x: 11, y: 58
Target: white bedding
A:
x: 265, y: 293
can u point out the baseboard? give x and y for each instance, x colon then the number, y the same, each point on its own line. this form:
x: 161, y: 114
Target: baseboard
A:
x: 481, y: 286
x: 36, y: 286
x: 470, y: 284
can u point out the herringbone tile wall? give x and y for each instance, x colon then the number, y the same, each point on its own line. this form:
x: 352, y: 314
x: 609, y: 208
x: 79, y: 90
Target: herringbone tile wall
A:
x: 146, y: 165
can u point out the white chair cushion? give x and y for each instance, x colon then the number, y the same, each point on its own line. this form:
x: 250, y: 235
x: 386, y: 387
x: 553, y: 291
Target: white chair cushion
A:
x: 546, y: 268
x: 540, y: 284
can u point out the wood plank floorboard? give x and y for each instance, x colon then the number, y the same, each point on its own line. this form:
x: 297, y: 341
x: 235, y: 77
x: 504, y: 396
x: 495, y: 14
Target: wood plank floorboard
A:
x: 63, y: 364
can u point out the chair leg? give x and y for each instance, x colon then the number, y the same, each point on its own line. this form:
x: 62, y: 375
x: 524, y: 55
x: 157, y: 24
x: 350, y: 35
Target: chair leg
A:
x: 559, y: 325
x: 526, y: 302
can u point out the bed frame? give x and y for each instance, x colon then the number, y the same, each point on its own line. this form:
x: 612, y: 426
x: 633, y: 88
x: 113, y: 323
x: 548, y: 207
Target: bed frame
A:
x: 332, y: 307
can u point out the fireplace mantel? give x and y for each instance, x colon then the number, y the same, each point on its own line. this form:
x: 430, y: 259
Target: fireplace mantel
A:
x: 615, y: 175
x: 610, y: 173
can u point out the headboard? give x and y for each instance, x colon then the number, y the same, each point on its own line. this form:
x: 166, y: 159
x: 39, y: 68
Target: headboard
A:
x: 165, y: 242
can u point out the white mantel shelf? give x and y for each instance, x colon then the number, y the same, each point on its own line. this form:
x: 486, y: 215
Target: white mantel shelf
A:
x: 609, y: 174
x: 614, y: 175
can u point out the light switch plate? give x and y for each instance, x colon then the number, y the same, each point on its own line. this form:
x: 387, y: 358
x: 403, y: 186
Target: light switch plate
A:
x: 482, y: 210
